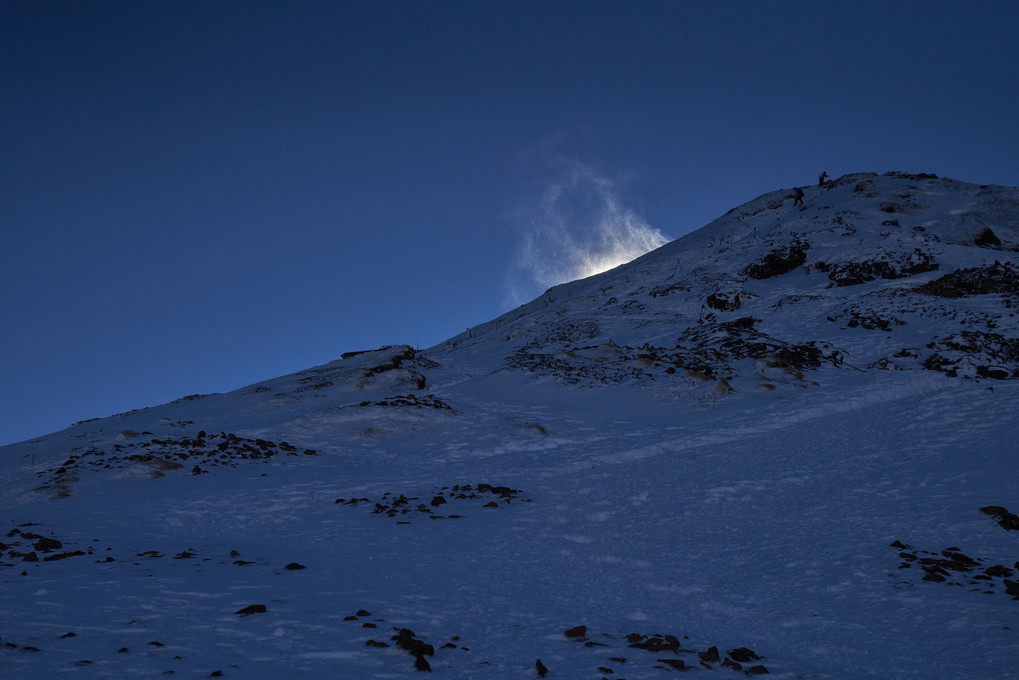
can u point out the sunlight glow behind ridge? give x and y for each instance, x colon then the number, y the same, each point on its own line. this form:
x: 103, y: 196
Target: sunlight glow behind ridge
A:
x: 579, y: 229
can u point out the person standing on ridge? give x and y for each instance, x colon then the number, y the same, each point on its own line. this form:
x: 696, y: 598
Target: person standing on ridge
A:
x: 798, y: 195
x: 822, y: 178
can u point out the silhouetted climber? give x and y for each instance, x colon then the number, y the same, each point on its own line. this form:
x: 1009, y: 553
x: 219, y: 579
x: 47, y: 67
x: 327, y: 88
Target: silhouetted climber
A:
x: 822, y: 178
x: 798, y: 195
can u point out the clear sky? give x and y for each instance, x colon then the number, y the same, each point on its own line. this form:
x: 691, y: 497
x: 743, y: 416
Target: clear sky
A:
x: 195, y: 195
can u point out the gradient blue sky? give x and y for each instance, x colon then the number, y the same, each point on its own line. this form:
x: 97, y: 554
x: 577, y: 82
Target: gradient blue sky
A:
x: 195, y: 196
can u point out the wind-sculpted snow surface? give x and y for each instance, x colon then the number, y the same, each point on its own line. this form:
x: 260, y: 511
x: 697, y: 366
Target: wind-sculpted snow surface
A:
x: 782, y: 445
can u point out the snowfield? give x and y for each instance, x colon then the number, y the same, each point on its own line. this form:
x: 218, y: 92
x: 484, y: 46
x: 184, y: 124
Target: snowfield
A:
x: 784, y: 445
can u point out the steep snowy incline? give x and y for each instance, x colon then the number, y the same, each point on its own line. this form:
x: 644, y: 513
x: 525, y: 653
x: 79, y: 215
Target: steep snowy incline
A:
x: 782, y: 444
x: 892, y: 271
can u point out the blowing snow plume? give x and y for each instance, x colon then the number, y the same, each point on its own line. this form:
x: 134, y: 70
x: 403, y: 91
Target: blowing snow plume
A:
x: 580, y: 228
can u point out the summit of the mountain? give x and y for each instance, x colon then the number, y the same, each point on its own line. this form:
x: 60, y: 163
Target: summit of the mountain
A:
x: 894, y: 271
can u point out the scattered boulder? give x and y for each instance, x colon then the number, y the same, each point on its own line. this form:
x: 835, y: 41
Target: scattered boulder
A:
x: 540, y: 668
x: 406, y: 640
x: 401, y: 506
x: 779, y: 261
x: 742, y: 654
x: 657, y: 644
x: 723, y: 302
x: 951, y: 566
x: 1007, y: 520
x: 576, y: 632
x: 251, y: 609
x: 48, y: 544
x: 986, y: 239
x: 64, y: 555
x: 973, y: 354
x: 998, y: 278
x: 855, y: 273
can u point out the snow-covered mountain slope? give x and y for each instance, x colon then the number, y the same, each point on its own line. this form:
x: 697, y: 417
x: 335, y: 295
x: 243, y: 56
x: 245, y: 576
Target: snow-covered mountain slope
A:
x: 891, y: 272
x: 784, y: 443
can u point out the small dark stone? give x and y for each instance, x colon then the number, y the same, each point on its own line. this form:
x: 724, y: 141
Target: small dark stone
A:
x: 406, y: 640
x: 216, y: 674
x: 986, y: 238
x: 47, y: 544
x: 743, y: 655
x: 540, y: 667
x: 675, y: 664
x: 658, y: 644
x: 998, y: 570
x: 122, y: 650
x: 778, y: 262
x: 363, y: 612
x: 576, y: 632
x: 68, y: 635
x: 710, y: 656
x: 63, y: 555
x: 251, y: 609
x: 437, y: 501
x: 757, y: 670
x: 1007, y: 520
x: 294, y: 566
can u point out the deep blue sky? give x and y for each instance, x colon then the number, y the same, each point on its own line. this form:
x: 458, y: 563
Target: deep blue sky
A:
x: 195, y: 196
